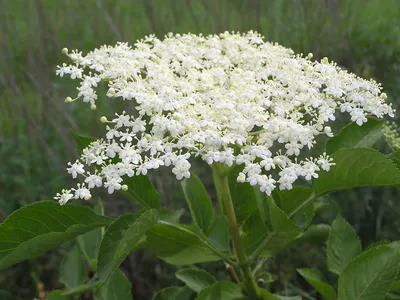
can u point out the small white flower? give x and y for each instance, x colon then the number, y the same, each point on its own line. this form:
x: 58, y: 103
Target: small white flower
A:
x: 75, y: 169
x: 93, y: 180
x: 82, y: 193
x: 64, y: 197
x: 114, y: 184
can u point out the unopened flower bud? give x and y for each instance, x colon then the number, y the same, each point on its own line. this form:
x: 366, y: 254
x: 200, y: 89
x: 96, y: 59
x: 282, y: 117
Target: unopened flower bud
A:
x: 88, y: 197
x: 111, y: 91
x: 260, y: 282
x: 68, y: 100
x: 64, y: 51
x: 124, y: 187
x: 325, y: 61
x: 384, y: 96
x: 103, y: 119
x: 310, y: 55
x: 241, y: 177
x: 277, y: 161
x: 328, y: 131
x: 93, y: 107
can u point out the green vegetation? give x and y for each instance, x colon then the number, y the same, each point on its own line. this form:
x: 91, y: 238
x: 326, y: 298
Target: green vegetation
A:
x: 35, y: 137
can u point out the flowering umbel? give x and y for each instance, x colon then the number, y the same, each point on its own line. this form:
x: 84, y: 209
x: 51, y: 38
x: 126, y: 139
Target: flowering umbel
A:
x: 228, y: 98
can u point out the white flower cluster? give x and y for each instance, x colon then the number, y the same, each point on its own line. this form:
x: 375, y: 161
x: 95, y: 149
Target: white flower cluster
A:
x: 391, y: 133
x: 227, y: 98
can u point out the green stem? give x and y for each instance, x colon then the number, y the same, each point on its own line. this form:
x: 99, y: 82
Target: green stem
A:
x: 229, y: 210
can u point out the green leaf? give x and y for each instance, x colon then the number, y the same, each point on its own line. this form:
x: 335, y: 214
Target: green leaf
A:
x: 243, y: 196
x: 117, y: 287
x: 218, y: 234
x: 142, y: 191
x: 316, y: 279
x: 354, y: 136
x: 196, y: 279
x: 289, y: 200
x: 267, y: 277
x: 283, y: 230
x: 395, y: 286
x: 316, y: 234
x: 392, y: 296
x: 111, y: 241
x: 175, y: 293
x: 170, y: 216
x: 178, y: 245
x: 80, y: 289
x: 72, y: 269
x: 122, y: 238
x: 222, y: 290
x: 41, y: 226
x: 89, y: 242
x: 199, y: 202
x: 395, y: 157
x: 343, y: 246
x: 370, y: 275
x: 254, y: 232
x: 82, y: 141
x: 265, y: 295
x: 57, y: 295
x: 357, y: 167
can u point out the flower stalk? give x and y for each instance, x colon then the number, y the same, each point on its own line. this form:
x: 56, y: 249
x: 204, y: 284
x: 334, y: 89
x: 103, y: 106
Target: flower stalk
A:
x: 222, y: 171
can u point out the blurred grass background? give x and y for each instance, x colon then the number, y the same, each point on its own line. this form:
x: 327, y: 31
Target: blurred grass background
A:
x: 35, y: 141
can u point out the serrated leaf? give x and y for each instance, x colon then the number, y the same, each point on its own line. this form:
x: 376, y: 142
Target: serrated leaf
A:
x: 357, y: 167
x: 111, y: 241
x: 199, y: 202
x: 72, y: 268
x: 178, y: 246
x: 289, y: 200
x: 254, y: 232
x: 222, y: 290
x: 317, y: 234
x: 196, y: 279
x: 354, y: 136
x: 174, y: 292
x: 370, y: 275
x: 89, y: 242
x: 41, y: 226
x: 117, y: 287
x: 243, y: 196
x: 316, y: 279
x: 342, y: 247
x: 283, y: 230
x: 82, y: 141
x: 122, y: 238
x: 142, y: 191
x: 218, y: 234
